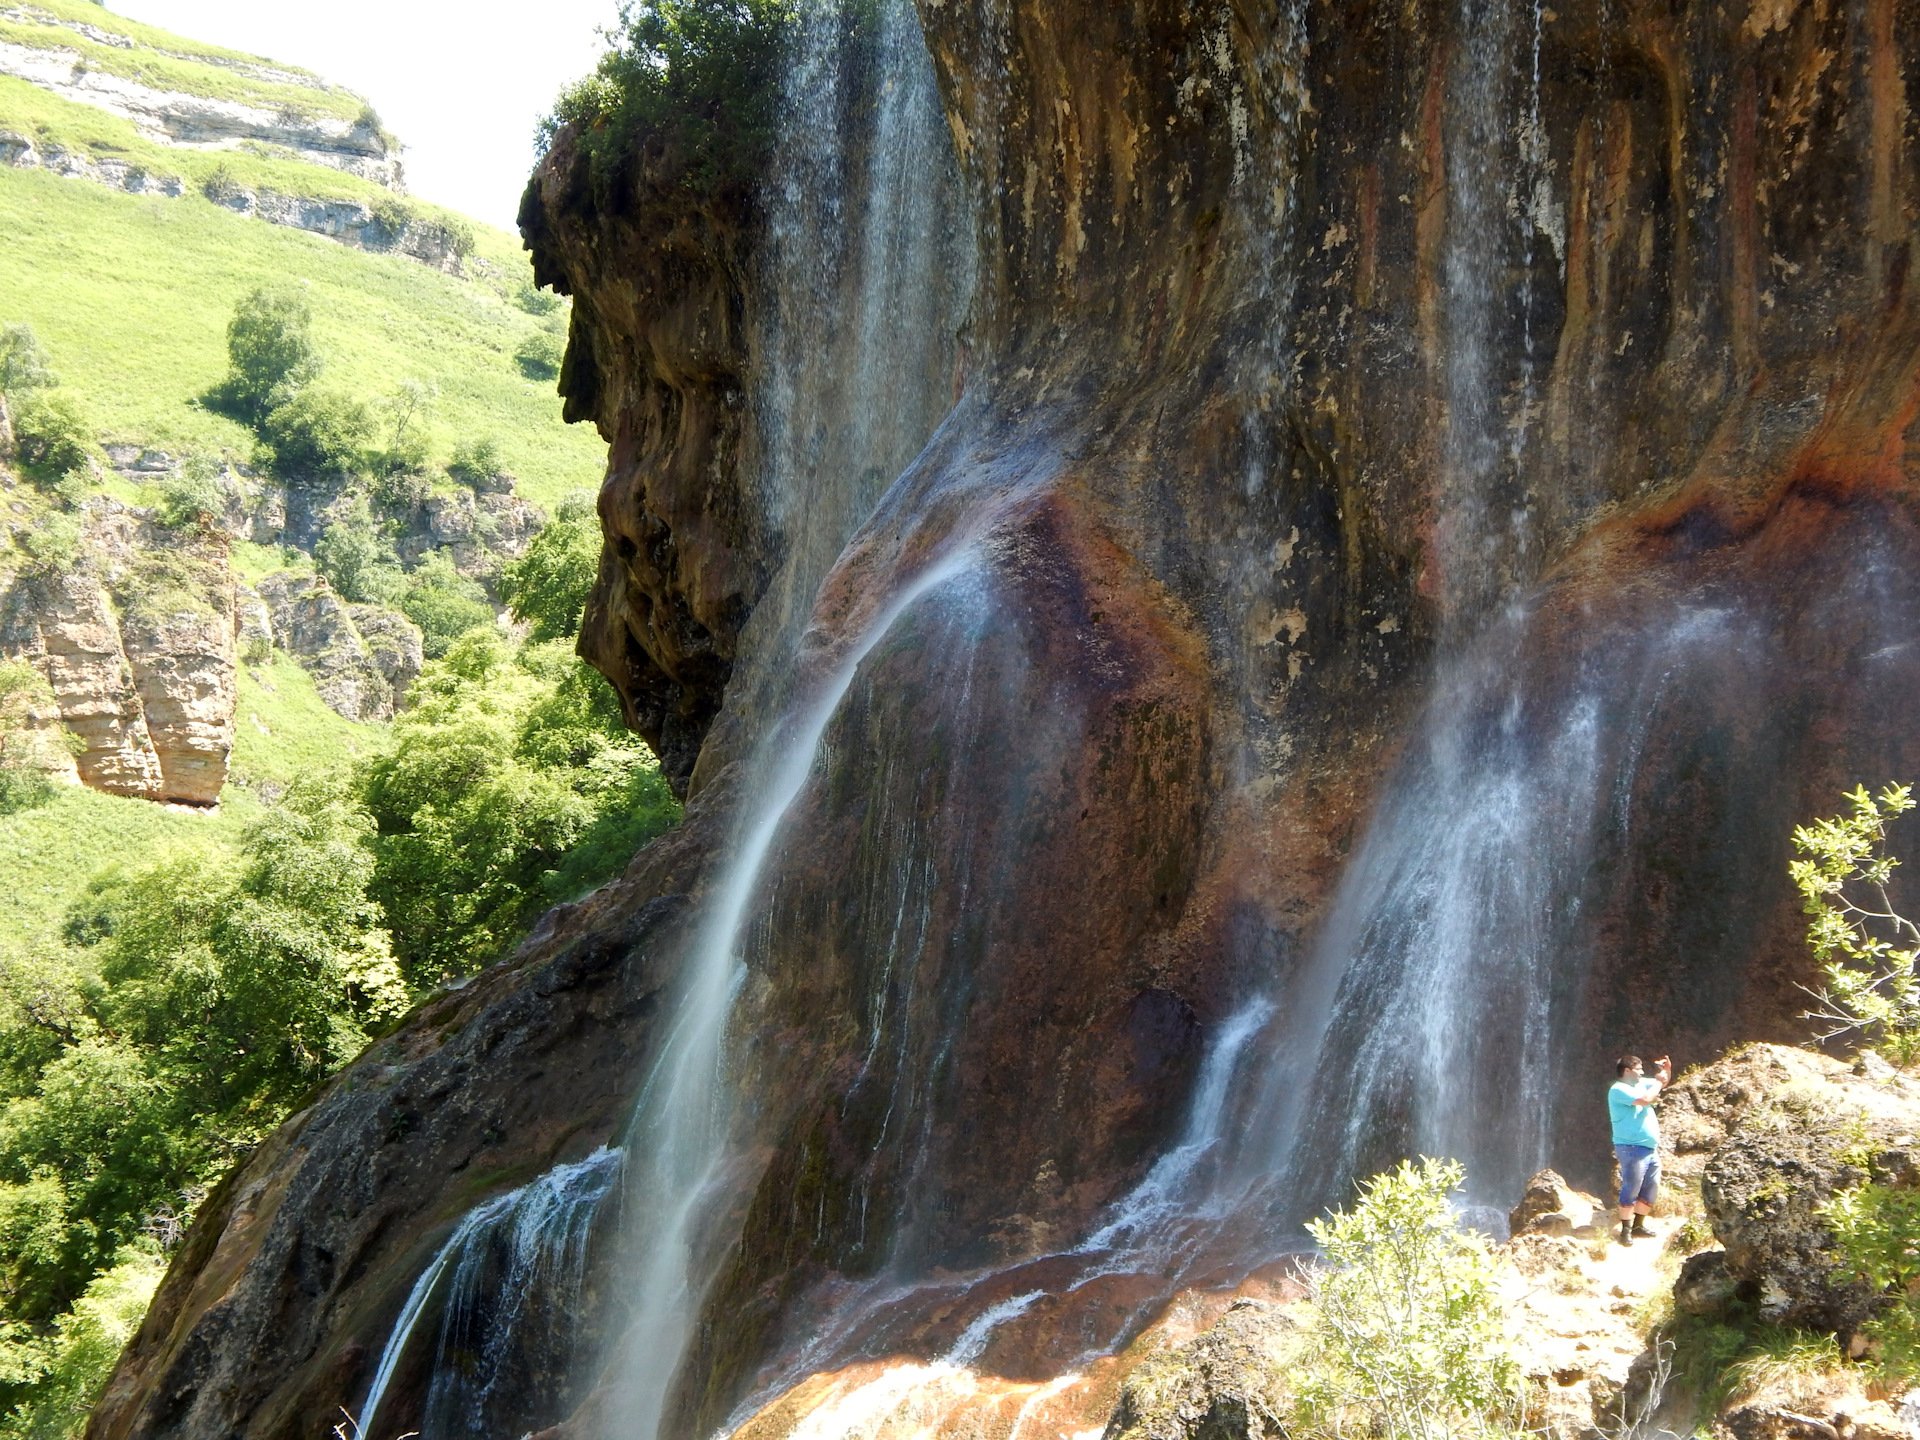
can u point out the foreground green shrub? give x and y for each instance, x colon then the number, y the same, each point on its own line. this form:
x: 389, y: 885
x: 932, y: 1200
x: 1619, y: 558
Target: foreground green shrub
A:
x: 1867, y: 949
x: 23, y: 363
x: 1876, y: 1232
x: 1406, y: 1338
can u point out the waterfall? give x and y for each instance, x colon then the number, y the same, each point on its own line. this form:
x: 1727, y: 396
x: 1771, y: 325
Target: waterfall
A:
x: 520, y: 1254
x: 682, y: 1119
x: 870, y: 275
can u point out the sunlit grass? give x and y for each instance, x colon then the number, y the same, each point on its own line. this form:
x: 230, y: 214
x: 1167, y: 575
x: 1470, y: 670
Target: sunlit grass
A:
x: 131, y: 296
x: 283, y: 730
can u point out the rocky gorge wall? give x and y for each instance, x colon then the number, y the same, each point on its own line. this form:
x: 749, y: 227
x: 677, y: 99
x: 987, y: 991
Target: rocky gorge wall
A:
x: 1426, y: 504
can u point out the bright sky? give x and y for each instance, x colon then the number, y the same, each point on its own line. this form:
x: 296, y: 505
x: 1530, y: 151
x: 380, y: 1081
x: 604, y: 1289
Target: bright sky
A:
x: 461, y: 83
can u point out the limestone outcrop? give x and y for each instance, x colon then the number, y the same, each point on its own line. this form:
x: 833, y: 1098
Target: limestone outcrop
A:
x: 136, y: 639
x: 1795, y: 1147
x: 361, y: 657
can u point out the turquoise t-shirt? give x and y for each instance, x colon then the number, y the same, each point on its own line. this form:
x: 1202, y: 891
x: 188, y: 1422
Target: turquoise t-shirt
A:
x: 1634, y: 1124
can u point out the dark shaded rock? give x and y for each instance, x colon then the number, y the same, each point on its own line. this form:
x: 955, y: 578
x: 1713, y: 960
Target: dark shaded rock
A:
x: 1706, y: 1284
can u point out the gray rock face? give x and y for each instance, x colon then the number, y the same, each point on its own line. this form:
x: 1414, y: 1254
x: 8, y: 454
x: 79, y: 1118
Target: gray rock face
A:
x: 201, y: 122
x: 477, y: 529
x: 361, y: 657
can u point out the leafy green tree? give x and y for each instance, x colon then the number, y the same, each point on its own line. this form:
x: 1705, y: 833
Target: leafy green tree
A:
x: 404, y: 416
x: 270, y: 350
x: 444, y: 603
x: 1407, y: 1340
x: 355, y: 557
x: 317, y: 432
x: 208, y: 998
x: 24, y: 367
x: 539, y: 355
x: 502, y: 769
x: 77, y: 1358
x: 547, y: 587
x: 1867, y: 949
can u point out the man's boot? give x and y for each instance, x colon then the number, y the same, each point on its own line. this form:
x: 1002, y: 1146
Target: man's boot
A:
x: 1640, y: 1226
x: 1626, y: 1233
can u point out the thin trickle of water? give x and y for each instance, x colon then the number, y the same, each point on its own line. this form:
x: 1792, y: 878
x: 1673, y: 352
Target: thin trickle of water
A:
x: 524, y: 1248
x: 869, y: 274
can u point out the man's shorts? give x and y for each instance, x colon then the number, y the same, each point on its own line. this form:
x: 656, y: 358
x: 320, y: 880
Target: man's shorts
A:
x: 1639, y: 1174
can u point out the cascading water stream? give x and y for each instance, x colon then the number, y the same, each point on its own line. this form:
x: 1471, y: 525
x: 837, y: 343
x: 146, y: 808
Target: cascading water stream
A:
x: 684, y: 1115
x: 526, y: 1247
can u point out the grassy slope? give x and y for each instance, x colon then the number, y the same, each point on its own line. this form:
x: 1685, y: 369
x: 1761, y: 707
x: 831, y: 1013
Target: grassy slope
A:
x: 131, y: 296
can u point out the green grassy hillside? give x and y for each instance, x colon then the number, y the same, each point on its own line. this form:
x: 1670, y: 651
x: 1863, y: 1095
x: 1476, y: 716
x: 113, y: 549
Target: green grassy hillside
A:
x: 131, y: 296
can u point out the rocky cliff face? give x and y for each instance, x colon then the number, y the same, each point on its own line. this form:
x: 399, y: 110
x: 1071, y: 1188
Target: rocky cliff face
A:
x: 137, y: 641
x: 1428, y: 504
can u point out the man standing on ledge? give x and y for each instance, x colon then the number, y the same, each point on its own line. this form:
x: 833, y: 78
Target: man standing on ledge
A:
x: 1636, y: 1139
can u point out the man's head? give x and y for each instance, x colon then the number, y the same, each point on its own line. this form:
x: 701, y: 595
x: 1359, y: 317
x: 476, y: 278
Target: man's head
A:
x: 1626, y: 1065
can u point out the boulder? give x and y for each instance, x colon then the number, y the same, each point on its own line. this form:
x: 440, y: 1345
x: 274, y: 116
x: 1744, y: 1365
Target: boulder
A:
x: 1550, y: 1206
x: 1218, y: 1386
x: 1800, y: 1128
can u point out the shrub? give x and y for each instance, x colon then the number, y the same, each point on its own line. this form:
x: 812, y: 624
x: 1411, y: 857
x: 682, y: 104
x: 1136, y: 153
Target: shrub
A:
x: 28, y: 750
x: 547, y: 587
x: 50, y: 434
x: 220, y: 184
x: 475, y: 460
x: 355, y: 557
x: 535, y: 301
x: 317, y: 432
x: 1876, y: 1233
x: 270, y: 350
x: 1406, y: 1334
x: 53, y: 545
x: 392, y: 216
x: 444, y: 604
x: 23, y: 364
x: 539, y: 355
x: 703, y: 76
x: 1867, y: 949
x: 190, y: 498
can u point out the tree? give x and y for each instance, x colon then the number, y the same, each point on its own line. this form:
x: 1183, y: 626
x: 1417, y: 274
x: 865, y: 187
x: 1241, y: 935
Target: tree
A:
x: 475, y: 460
x: 547, y: 587
x: 317, y: 431
x: 270, y: 349
x: 444, y: 603
x: 354, y: 556
x: 23, y: 364
x: 1867, y: 949
x: 405, y: 414
x: 1406, y: 1335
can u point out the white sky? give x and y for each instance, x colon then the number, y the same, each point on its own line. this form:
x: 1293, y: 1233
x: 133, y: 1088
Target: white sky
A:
x: 461, y: 82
